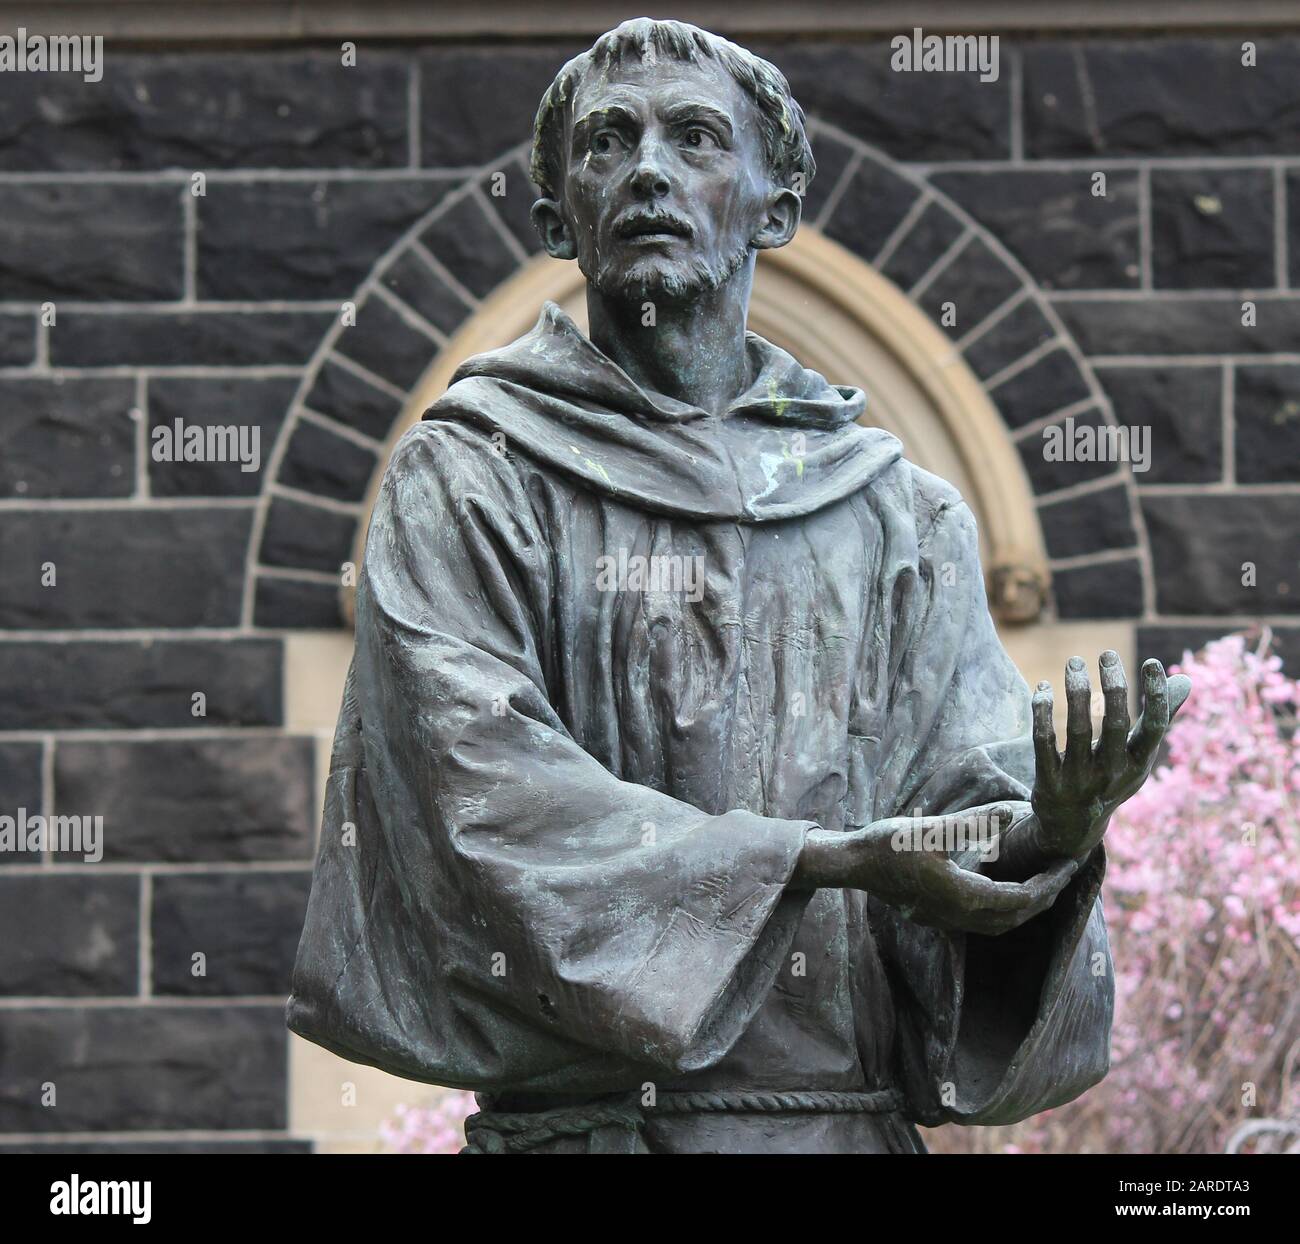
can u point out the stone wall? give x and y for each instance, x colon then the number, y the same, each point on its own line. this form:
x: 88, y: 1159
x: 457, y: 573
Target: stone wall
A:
x: 174, y: 578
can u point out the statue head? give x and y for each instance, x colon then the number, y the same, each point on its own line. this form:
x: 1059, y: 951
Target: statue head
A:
x: 667, y: 157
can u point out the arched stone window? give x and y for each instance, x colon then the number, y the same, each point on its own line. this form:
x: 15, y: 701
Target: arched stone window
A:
x: 861, y: 295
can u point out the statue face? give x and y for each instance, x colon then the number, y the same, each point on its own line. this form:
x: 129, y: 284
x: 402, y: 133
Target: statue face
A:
x: 666, y: 188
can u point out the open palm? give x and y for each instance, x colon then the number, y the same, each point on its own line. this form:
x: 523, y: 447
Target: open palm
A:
x: 1076, y: 793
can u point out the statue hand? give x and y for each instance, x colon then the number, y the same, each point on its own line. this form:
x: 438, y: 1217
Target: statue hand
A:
x: 1075, y: 794
x: 891, y: 859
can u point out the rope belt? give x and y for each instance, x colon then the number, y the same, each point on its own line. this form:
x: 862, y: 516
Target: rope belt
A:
x: 615, y: 1126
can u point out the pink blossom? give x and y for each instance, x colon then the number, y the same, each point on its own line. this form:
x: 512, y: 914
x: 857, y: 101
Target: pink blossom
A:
x: 1203, y: 908
x: 435, y: 1127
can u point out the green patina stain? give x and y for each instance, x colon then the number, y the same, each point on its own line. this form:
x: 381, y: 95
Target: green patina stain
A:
x: 779, y: 403
x: 795, y: 458
x: 595, y: 466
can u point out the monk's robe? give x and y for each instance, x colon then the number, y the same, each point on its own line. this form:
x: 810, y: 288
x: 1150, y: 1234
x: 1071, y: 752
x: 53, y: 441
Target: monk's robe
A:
x: 567, y: 798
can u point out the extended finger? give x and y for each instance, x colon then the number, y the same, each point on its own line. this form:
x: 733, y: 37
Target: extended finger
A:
x: 976, y: 833
x: 1115, y: 725
x: 1078, y: 721
x: 1052, y: 880
x: 981, y: 894
x: 1154, y: 721
x: 986, y: 818
x: 1047, y: 761
x: 1180, y: 687
x: 1042, y: 890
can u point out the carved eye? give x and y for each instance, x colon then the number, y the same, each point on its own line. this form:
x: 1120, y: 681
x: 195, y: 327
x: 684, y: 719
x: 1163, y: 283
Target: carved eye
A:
x: 698, y: 137
x: 604, y: 142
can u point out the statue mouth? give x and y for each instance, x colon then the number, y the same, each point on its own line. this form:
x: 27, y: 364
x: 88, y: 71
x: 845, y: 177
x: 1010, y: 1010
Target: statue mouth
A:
x: 658, y: 227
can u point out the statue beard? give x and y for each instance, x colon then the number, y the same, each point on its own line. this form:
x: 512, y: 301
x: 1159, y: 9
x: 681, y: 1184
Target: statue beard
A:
x: 650, y: 279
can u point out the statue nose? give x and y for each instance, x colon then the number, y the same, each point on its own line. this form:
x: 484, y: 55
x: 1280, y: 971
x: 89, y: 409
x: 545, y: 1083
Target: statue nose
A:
x: 650, y: 180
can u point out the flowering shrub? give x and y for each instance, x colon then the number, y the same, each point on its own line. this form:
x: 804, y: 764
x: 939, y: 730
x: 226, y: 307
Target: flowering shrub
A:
x: 435, y: 1127
x: 1202, y: 901
x: 1203, y: 907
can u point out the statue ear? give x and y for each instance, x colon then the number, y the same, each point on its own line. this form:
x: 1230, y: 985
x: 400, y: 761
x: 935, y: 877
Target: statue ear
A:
x: 548, y: 220
x: 783, y: 215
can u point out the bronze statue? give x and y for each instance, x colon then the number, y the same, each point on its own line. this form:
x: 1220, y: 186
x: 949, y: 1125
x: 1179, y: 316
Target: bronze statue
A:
x: 683, y: 798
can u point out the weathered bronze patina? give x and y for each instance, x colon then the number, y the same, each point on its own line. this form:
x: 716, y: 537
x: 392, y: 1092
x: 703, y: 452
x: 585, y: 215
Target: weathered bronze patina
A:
x: 677, y: 718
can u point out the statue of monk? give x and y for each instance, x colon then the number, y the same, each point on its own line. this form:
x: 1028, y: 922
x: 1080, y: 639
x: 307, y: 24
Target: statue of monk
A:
x: 683, y: 797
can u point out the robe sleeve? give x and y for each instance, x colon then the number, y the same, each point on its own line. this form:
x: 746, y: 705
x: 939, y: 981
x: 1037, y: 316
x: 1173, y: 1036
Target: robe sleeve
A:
x: 550, y: 916
x: 990, y: 1029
